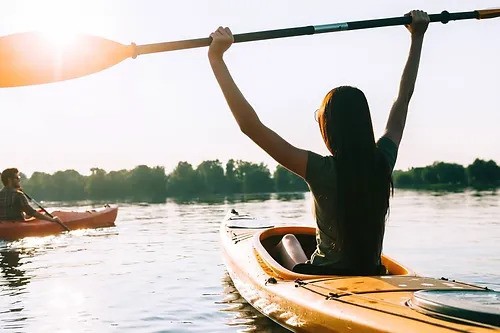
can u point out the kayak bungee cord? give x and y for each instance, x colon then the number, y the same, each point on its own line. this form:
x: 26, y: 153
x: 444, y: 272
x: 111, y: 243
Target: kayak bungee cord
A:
x: 342, y: 293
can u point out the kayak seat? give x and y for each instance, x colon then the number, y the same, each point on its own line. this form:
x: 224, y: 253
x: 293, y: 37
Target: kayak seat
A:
x: 308, y: 244
x: 266, y: 247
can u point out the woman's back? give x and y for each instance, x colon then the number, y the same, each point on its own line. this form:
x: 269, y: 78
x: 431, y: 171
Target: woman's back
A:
x: 350, y: 217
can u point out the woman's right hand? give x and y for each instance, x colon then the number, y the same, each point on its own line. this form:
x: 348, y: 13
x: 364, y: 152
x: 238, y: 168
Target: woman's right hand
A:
x: 419, y: 22
x: 222, y: 39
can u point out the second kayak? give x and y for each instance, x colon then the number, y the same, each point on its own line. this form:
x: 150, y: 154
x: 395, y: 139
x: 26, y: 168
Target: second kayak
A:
x: 11, y: 230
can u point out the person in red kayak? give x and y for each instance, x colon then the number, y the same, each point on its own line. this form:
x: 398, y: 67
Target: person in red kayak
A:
x: 14, y: 205
x: 351, y: 187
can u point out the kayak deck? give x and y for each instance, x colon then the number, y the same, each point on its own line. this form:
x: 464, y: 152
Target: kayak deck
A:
x: 326, y: 303
x: 12, y: 230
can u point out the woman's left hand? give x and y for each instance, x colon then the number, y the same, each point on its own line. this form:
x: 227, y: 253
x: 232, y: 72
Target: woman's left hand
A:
x: 419, y: 23
x: 222, y: 39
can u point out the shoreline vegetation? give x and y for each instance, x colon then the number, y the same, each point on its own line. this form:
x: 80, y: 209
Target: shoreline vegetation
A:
x: 152, y: 184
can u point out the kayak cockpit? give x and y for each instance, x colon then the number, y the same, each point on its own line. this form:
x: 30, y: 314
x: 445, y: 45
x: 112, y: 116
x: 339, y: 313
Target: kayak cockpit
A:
x: 265, y: 243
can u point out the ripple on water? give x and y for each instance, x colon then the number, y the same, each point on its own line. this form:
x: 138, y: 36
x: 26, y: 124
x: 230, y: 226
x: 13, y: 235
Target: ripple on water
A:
x: 160, y: 269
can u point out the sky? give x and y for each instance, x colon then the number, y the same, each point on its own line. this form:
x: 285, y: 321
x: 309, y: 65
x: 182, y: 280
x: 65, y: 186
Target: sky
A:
x: 164, y: 108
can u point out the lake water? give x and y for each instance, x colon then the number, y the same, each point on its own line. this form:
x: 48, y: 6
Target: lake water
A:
x: 160, y: 269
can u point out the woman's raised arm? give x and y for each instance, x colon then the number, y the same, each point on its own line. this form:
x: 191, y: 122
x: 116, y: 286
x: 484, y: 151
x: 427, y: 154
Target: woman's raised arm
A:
x: 397, y: 116
x: 292, y: 158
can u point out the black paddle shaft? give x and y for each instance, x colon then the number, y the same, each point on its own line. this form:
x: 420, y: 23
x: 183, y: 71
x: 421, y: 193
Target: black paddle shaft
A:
x: 39, y: 206
x: 65, y: 227
x: 443, y: 17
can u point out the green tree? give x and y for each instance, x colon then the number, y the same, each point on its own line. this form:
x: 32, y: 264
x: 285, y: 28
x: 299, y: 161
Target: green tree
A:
x: 36, y: 185
x: 67, y: 185
x: 147, y: 184
x: 450, y: 173
x: 483, y: 173
x: 211, y: 177
x: 287, y: 181
x: 233, y: 183
x: 97, y: 186
x: 429, y: 175
x: 183, y: 181
x: 254, y: 177
x: 119, y: 185
x: 402, y: 178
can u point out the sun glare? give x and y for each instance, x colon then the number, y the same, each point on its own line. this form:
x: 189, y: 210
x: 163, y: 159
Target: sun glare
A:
x: 59, y: 39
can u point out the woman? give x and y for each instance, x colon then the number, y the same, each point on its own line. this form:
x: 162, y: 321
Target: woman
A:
x: 351, y: 187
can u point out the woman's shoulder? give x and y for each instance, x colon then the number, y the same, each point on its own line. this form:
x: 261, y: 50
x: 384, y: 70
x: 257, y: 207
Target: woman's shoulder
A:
x: 389, y: 150
x: 319, y: 168
x: 319, y: 161
x: 385, y: 141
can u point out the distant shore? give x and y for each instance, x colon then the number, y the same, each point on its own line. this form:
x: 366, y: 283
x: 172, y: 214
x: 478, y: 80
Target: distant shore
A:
x: 450, y: 176
x: 152, y: 184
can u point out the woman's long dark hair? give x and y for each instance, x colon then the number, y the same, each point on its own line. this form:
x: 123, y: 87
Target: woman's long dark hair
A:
x: 363, y: 175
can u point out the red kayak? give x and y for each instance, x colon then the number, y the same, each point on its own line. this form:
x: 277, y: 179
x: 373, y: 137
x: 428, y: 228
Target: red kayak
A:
x: 11, y: 230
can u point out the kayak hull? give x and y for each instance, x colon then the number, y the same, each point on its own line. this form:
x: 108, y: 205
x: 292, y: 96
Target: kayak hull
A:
x: 12, y: 230
x: 326, y: 303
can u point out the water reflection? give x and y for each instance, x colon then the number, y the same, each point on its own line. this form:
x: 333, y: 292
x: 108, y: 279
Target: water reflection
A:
x: 217, y: 199
x: 289, y: 196
x: 10, y: 266
x: 244, y: 318
x: 206, y: 199
x: 249, y: 197
x: 482, y: 193
x: 12, y: 286
x: 254, y: 197
x: 212, y: 199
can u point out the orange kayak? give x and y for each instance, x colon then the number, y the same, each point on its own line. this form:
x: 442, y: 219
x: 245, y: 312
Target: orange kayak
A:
x: 398, y: 301
x: 11, y: 230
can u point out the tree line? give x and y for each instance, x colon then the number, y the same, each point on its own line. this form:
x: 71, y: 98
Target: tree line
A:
x: 480, y: 174
x: 152, y: 184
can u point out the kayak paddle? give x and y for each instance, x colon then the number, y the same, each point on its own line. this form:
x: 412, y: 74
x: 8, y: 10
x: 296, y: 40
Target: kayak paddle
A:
x: 30, y: 58
x: 46, y: 212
